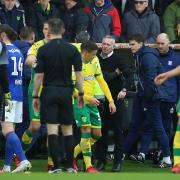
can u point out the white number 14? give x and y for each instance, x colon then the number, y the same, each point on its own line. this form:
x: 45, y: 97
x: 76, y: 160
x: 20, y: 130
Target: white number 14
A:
x: 17, y: 67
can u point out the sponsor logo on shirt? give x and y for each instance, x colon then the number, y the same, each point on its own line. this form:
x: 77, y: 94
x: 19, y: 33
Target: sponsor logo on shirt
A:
x: 90, y: 77
x: 18, y: 82
x: 170, y: 63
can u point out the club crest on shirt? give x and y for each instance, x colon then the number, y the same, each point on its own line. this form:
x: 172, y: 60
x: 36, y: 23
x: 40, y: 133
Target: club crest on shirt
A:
x: 170, y: 63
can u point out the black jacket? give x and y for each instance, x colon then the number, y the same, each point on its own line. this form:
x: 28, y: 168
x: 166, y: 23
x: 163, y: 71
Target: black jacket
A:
x: 75, y: 20
x: 116, y: 82
x: 15, y: 18
x: 35, y: 17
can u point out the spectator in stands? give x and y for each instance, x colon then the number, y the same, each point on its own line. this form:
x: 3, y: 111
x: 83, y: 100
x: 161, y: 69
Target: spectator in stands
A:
x: 177, y: 40
x: 38, y: 13
x: 12, y: 15
x: 124, y: 6
x: 146, y: 107
x: 141, y: 20
x: 75, y: 19
x: 171, y: 16
x: 159, y: 6
x: 27, y: 3
x: 104, y: 20
x: 113, y: 68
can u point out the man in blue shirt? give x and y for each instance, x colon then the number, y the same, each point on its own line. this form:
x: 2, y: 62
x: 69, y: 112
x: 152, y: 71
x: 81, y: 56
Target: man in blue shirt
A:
x: 169, y: 60
x: 146, y: 109
x: 13, y: 115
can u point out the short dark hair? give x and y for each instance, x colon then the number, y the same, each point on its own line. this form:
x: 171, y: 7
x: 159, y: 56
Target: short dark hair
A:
x: 56, y: 25
x: 82, y: 36
x: 26, y: 32
x: 136, y: 37
x: 89, y: 46
x: 10, y: 32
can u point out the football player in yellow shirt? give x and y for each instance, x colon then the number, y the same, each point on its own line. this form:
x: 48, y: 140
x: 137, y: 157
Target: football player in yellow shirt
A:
x: 88, y: 118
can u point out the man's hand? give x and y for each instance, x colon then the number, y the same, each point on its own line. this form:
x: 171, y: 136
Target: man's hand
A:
x: 94, y: 102
x: 36, y: 104
x: 8, y: 102
x: 80, y: 101
x: 121, y: 95
x: 160, y: 79
x: 112, y: 107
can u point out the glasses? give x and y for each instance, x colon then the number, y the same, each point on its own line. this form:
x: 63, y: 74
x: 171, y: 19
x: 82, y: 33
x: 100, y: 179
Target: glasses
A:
x: 139, y: 2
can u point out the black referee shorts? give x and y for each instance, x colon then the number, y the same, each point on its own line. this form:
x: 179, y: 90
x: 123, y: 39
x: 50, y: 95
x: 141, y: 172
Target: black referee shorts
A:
x: 56, y: 105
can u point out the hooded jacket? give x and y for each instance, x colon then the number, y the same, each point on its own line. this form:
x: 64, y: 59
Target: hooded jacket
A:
x: 102, y: 22
x: 169, y: 61
x: 148, y: 67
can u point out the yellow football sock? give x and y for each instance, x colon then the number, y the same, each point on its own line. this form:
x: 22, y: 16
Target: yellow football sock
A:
x: 176, y: 148
x: 86, y: 148
x: 26, y: 139
x: 50, y: 162
x: 77, y: 151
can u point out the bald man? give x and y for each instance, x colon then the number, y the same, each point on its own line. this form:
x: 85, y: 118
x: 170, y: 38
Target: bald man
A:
x: 161, y: 78
x: 169, y: 60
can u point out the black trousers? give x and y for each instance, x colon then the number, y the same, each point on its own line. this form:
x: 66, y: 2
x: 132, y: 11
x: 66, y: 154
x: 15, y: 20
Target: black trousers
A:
x: 111, y: 122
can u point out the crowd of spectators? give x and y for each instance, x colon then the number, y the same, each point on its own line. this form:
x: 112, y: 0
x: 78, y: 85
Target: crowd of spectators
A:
x: 120, y: 18
x: 106, y: 22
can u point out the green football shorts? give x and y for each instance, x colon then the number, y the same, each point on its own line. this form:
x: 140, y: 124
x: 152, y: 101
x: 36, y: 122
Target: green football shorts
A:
x: 87, y: 116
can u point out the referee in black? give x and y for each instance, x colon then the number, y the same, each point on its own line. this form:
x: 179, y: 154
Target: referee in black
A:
x: 54, y: 70
x: 4, y: 85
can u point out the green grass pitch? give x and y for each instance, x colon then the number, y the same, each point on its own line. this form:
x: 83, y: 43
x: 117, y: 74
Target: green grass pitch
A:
x: 130, y: 171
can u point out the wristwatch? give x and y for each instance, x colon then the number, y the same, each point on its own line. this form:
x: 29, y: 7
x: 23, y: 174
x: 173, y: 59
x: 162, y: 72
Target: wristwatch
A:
x: 81, y: 94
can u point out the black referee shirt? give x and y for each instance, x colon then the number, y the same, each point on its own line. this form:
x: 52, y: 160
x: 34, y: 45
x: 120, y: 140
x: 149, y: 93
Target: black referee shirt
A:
x: 55, y: 60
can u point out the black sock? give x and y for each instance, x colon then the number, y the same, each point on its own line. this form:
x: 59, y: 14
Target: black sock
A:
x: 69, y: 149
x: 53, y: 149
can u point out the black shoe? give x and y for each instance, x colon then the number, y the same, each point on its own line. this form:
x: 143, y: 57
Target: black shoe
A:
x: 100, y: 166
x: 138, y: 158
x: 116, y: 167
x: 157, y: 157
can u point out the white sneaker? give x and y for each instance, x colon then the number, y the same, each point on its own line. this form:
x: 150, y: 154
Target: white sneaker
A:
x: 24, y: 166
x: 5, y: 169
x: 71, y: 170
x: 55, y: 171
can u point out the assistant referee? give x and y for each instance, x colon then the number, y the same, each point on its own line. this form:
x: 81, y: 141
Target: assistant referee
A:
x: 54, y: 70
